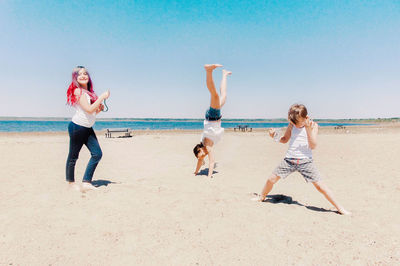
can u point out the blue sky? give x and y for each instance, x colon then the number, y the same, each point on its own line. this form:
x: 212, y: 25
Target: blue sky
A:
x: 340, y: 58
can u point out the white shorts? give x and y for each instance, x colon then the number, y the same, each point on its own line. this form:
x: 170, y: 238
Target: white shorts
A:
x: 212, y: 130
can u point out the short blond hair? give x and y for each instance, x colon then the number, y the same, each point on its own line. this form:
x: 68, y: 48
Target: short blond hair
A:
x: 297, y: 111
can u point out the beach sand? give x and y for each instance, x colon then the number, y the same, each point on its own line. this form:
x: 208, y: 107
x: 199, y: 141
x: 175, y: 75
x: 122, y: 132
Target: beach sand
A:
x: 150, y: 209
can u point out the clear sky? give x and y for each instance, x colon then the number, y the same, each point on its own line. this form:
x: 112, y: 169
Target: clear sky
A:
x: 340, y: 58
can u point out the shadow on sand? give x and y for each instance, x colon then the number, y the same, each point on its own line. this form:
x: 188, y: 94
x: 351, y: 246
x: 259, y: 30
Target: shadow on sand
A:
x: 205, y: 172
x: 101, y: 183
x: 279, y: 198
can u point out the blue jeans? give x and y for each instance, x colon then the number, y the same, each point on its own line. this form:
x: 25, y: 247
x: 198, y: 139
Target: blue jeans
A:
x: 79, y: 135
x: 213, y: 114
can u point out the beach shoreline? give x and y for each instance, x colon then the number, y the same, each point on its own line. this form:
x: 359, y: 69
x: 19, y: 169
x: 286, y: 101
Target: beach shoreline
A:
x: 387, y: 126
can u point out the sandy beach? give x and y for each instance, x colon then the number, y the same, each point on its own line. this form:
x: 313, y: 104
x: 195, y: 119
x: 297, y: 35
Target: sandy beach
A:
x: 149, y: 208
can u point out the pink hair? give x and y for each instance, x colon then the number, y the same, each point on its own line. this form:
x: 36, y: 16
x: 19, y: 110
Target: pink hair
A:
x: 72, y: 99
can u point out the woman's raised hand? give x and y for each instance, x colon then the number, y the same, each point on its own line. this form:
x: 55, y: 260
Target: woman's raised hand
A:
x: 105, y: 95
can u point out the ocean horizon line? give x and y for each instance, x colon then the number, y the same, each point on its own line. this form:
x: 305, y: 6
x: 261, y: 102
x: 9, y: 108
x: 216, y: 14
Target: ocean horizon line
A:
x: 51, y: 124
x: 49, y: 118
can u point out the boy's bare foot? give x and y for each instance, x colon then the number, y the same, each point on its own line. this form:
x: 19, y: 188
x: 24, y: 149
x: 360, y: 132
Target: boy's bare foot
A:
x: 344, y: 212
x: 88, y: 186
x: 257, y: 197
x: 73, y: 186
x: 226, y: 72
x: 211, y: 67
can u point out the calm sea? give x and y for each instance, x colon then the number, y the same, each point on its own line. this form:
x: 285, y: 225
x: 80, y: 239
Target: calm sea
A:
x: 141, y: 124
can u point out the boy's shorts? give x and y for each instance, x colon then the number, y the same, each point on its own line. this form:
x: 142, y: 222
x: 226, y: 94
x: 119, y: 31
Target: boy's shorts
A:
x: 305, y: 166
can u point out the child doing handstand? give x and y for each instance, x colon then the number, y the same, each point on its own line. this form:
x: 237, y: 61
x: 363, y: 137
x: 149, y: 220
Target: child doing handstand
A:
x: 213, y: 131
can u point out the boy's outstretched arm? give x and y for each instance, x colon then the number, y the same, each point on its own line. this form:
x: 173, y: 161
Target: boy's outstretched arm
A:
x: 288, y: 133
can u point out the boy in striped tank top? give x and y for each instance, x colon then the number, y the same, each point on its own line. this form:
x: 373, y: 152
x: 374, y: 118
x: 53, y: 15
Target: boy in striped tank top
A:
x: 302, y: 137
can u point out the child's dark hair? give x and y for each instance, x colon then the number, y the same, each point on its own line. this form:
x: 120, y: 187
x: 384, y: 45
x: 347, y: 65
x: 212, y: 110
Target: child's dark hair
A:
x: 197, y: 149
x: 296, y: 111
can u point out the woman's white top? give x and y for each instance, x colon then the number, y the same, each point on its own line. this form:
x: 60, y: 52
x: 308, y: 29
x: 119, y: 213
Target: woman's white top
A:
x: 212, y: 130
x: 82, y: 117
x: 298, y: 145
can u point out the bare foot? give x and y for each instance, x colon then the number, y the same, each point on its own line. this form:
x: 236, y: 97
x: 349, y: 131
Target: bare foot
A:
x: 344, y: 212
x: 226, y: 72
x: 73, y: 186
x: 88, y: 186
x: 211, y: 67
x: 257, y: 197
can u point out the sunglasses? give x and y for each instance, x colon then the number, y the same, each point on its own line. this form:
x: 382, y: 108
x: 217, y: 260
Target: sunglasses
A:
x: 80, y: 67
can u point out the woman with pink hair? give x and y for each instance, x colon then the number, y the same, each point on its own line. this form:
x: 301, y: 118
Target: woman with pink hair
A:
x: 81, y: 95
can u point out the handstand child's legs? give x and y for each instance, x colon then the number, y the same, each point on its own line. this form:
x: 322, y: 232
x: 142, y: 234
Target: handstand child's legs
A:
x: 225, y: 73
x: 215, y: 102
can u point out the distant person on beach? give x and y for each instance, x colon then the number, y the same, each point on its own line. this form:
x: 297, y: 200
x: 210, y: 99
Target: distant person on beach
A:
x: 81, y: 95
x: 213, y: 131
x: 302, y: 134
